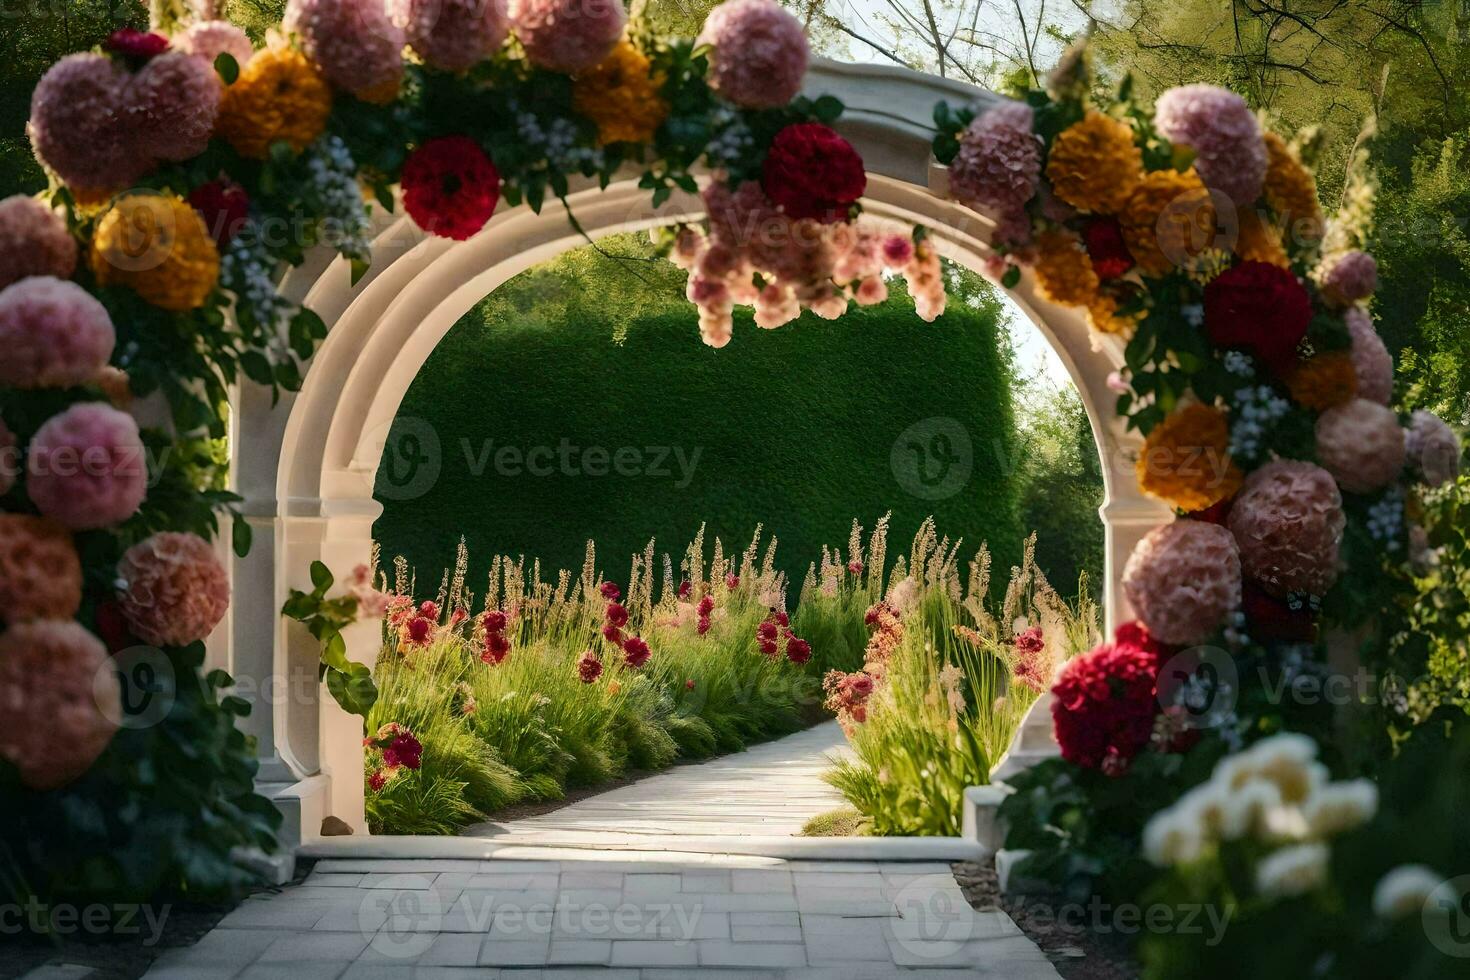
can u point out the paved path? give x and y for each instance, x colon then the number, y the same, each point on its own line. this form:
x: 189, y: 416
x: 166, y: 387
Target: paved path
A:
x: 768, y: 790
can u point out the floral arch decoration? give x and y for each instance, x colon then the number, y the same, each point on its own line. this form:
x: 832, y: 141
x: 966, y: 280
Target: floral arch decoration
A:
x: 187, y: 171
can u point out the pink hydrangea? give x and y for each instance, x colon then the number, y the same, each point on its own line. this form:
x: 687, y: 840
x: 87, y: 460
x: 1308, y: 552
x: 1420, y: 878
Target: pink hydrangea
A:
x: 1183, y: 579
x: 1351, y: 278
x: 9, y: 458
x: 1371, y: 359
x: 568, y: 35
x: 453, y: 34
x: 759, y: 55
x: 172, y: 588
x: 173, y: 103
x: 1230, y: 152
x: 353, y: 42
x: 86, y: 467
x: 59, y: 701
x: 1361, y: 444
x: 78, y: 125
x: 1434, y: 448
x: 998, y: 166
x: 208, y: 39
x: 53, y: 332
x: 1288, y: 523
x: 33, y: 241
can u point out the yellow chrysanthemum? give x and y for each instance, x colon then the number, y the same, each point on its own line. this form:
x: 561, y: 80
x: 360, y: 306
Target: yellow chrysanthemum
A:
x: 1102, y: 316
x: 621, y: 95
x: 1325, y: 381
x: 1094, y: 164
x: 1291, y: 190
x: 279, y: 96
x: 157, y: 245
x: 1064, y: 272
x: 1168, y: 219
x: 1257, y: 240
x: 1186, y: 460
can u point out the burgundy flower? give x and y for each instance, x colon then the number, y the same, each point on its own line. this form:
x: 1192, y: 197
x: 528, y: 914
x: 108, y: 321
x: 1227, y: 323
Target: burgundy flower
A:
x: 224, y: 206
x: 689, y: 684
x: 706, y: 605
x: 612, y: 634
x: 732, y: 581
x: 1030, y: 641
x: 781, y: 617
x: 135, y: 44
x: 429, y: 609
x: 1269, y: 618
x: 1105, y: 246
x: 378, y: 780
x: 610, y: 591
x: 686, y: 589
x: 420, y: 629
x: 798, y: 651
x: 494, y: 621
x: 589, y: 668
x: 1106, y: 701
x: 768, y: 630
x: 450, y: 187
x: 812, y: 172
x: 616, y: 614
x: 406, y: 751
x: 497, y: 648
x: 636, y: 652
x: 855, y: 568
x: 703, y: 625
x: 1261, y: 309
x: 770, y: 647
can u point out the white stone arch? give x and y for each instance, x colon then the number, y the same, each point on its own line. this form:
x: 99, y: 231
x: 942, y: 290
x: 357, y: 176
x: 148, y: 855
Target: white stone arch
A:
x: 306, y: 466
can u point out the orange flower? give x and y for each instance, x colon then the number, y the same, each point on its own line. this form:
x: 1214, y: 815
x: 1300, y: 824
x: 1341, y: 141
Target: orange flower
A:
x: 1258, y: 241
x: 1094, y: 164
x: 156, y: 244
x: 621, y: 95
x: 1291, y: 190
x: 1324, y: 381
x: 1186, y: 460
x: 1169, y: 218
x: 1102, y: 316
x: 279, y: 96
x: 1064, y: 273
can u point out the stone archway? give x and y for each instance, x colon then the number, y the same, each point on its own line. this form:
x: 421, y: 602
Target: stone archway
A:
x: 306, y: 466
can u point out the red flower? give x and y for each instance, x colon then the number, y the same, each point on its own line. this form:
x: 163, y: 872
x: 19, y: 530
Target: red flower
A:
x: 636, y: 652
x: 855, y: 567
x: 497, y: 648
x: 1031, y: 641
x: 1261, y: 309
x: 494, y: 621
x: 703, y: 626
x: 459, y: 615
x: 1269, y: 618
x: 589, y: 668
x: 429, y: 609
x: 1216, y: 514
x: 686, y: 589
x: 689, y: 684
x: 131, y: 43
x: 612, y: 634
x: 770, y: 647
x: 1105, y: 246
x: 377, y: 780
x: 224, y: 206
x: 406, y: 751
x: 781, y: 617
x: 616, y: 614
x: 812, y: 172
x: 798, y: 651
x: 420, y: 629
x: 706, y: 605
x: 768, y: 630
x: 1106, y: 701
x: 610, y: 591
x: 732, y: 581
x: 112, y: 627
x: 450, y: 187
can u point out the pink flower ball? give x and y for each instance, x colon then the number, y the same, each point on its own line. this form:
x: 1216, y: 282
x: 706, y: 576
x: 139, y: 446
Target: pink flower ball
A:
x: 78, y: 125
x: 1371, y: 359
x: 208, y: 39
x: 173, y: 103
x: 1434, y: 449
x: 353, y: 42
x: 1288, y: 522
x: 86, y: 467
x: 1351, y: 278
x: 898, y: 251
x: 871, y: 291
x: 1230, y: 153
x: 172, y: 588
x: 759, y: 55
x: 33, y: 241
x: 1183, y: 579
x: 568, y: 35
x: 453, y: 34
x: 1361, y: 444
x: 54, y: 334
x: 59, y: 701
x: 998, y: 166
x: 9, y: 458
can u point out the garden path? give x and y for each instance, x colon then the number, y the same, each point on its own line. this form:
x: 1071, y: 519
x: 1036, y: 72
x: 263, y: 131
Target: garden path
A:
x: 769, y: 790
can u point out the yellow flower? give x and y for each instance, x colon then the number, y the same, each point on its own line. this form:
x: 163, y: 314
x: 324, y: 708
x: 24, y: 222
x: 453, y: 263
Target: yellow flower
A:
x: 1169, y: 218
x: 157, y: 245
x: 1324, y: 381
x: 1186, y: 460
x: 1064, y: 272
x: 1102, y: 316
x: 1258, y: 241
x: 1291, y: 190
x: 621, y: 95
x: 613, y: 687
x: 1094, y: 164
x: 278, y: 96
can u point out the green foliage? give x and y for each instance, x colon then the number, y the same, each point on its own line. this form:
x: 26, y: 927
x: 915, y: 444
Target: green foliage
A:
x: 349, y: 682
x: 1059, y: 482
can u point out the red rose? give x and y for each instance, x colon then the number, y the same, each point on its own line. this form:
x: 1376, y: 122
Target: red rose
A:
x: 812, y: 172
x: 1105, y: 246
x: 450, y: 187
x: 1261, y: 309
x: 224, y: 206
x: 131, y: 43
x: 1106, y: 701
x: 636, y: 652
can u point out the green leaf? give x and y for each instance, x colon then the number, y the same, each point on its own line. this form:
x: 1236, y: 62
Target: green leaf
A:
x: 227, y: 67
x: 359, y: 268
x: 321, y: 578
x: 353, y: 689
x: 828, y: 109
x: 334, y: 652
x: 241, y: 534
x: 299, y: 606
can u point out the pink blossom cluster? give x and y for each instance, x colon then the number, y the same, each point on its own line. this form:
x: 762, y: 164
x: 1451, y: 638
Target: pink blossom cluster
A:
x: 1033, y: 667
x: 567, y: 35
x: 1434, y: 449
x: 1351, y: 278
x: 1361, y: 444
x: 208, y: 39
x: 33, y: 241
x: 355, y: 44
x: 172, y: 589
x: 755, y: 255
x: 452, y: 34
x: 1223, y: 132
x: 416, y: 626
x: 1183, y: 579
x: 1288, y: 522
x: 758, y: 53
x: 86, y: 468
x: 998, y: 167
x: 54, y: 333
x: 1371, y: 360
x: 847, y: 696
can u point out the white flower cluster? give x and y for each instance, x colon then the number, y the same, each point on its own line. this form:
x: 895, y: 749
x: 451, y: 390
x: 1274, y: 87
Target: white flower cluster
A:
x: 732, y: 140
x: 247, y: 270
x: 334, y: 180
x: 1275, y: 792
x: 557, y: 141
x: 1256, y: 410
x: 1386, y: 519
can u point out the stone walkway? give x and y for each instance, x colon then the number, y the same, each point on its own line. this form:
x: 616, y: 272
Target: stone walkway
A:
x: 768, y: 790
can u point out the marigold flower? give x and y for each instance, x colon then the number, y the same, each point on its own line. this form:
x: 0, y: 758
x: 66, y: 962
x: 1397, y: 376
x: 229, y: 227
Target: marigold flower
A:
x: 1186, y: 460
x: 1094, y: 164
x: 1291, y: 190
x: 279, y: 97
x: 1324, y: 381
x: 1258, y: 241
x: 1168, y: 218
x: 621, y: 94
x: 1102, y: 316
x: 1064, y: 273
x: 157, y: 245
x: 40, y: 574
